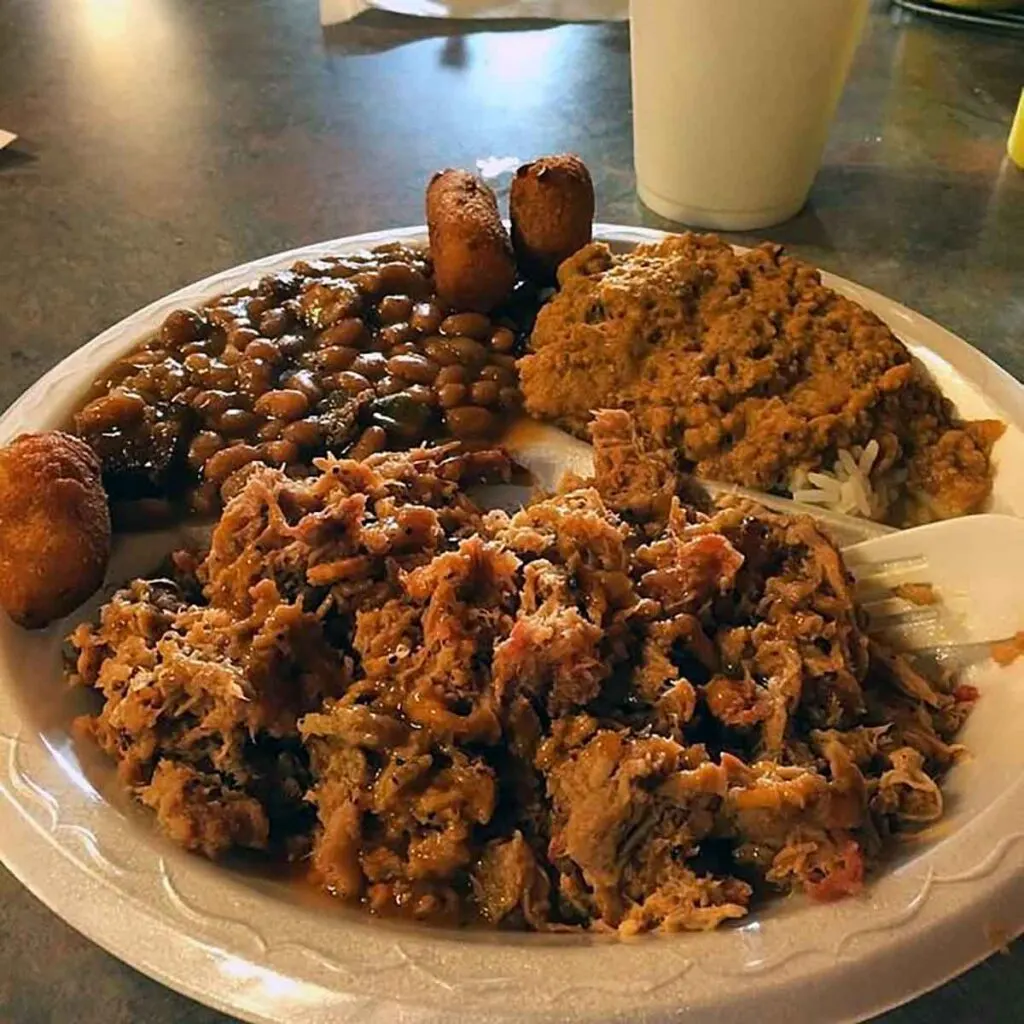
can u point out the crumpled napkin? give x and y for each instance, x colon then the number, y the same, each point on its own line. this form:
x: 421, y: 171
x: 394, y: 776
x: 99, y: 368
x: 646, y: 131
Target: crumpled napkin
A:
x: 334, y: 11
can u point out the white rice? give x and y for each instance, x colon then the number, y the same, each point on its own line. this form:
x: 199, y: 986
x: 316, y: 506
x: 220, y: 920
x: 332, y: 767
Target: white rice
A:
x: 848, y: 487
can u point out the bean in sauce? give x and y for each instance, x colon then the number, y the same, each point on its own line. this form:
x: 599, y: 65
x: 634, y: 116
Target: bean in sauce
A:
x: 372, y: 365
x: 274, y: 322
x: 181, y: 327
x: 394, y: 309
x: 414, y: 368
x: 305, y: 433
x: 336, y: 357
x: 485, y: 392
x: 389, y: 385
x: 470, y: 422
x: 426, y: 317
x: 471, y: 325
x: 451, y: 395
x: 372, y: 440
x: 284, y: 403
x: 451, y: 375
x: 225, y: 462
x: 352, y: 382
x: 349, y: 333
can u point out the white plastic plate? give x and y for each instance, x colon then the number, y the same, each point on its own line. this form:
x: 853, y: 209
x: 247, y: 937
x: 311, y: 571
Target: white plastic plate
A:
x: 270, y: 951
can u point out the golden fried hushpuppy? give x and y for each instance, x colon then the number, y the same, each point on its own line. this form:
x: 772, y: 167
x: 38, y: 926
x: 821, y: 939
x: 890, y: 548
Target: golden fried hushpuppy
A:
x: 54, y: 527
x: 551, y: 207
x: 474, y: 266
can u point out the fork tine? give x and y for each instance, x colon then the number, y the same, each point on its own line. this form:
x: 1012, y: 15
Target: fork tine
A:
x: 903, y: 620
x: 890, y: 615
x: 870, y: 571
x: 909, y: 638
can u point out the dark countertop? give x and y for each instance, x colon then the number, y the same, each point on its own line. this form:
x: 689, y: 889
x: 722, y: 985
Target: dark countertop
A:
x: 163, y: 141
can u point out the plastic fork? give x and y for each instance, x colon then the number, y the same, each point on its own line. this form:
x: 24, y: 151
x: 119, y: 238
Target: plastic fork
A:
x: 974, y: 565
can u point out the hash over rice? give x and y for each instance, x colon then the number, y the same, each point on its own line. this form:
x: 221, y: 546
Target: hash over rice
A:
x: 757, y: 374
x: 611, y: 710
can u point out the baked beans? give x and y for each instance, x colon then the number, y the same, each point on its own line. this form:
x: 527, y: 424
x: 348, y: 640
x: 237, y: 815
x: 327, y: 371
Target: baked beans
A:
x: 350, y: 354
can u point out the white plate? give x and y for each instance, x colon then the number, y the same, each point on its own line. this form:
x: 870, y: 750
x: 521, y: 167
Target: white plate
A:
x: 266, y: 951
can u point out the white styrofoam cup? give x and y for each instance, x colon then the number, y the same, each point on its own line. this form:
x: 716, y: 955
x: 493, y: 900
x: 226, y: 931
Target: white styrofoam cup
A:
x: 732, y: 102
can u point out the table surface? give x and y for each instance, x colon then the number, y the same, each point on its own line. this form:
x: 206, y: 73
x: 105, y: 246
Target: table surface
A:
x: 162, y: 141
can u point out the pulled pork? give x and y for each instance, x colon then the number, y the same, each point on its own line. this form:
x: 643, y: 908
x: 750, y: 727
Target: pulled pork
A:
x: 614, y: 709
